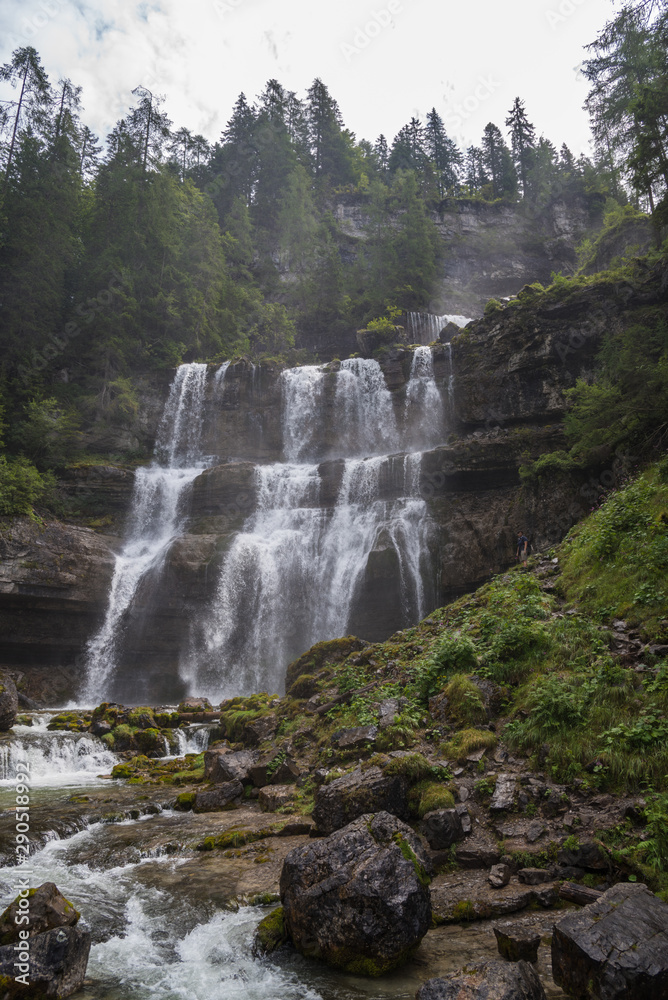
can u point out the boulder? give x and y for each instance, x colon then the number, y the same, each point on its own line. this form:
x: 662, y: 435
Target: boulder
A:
x: 220, y: 797
x: 504, y: 793
x: 49, y: 952
x: 499, y: 875
x: 224, y: 765
x: 259, y: 730
x: 616, y: 948
x: 517, y: 942
x: 351, y: 739
x: 272, y: 797
x: 9, y: 702
x: 444, y: 827
x: 491, y: 981
x: 189, y: 705
x: 354, y: 794
x: 534, y: 876
x: 358, y: 899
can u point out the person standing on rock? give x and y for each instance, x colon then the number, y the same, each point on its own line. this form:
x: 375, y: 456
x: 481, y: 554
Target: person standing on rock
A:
x: 522, y: 547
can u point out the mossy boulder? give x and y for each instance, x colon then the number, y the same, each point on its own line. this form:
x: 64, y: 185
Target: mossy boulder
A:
x: 191, y: 705
x: 374, y: 866
x: 151, y: 742
x: 359, y: 792
x: 270, y: 933
x: 324, y: 654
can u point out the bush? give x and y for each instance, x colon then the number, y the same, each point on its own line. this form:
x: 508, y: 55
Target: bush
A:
x: 453, y: 654
x: 22, y: 487
x: 465, y: 703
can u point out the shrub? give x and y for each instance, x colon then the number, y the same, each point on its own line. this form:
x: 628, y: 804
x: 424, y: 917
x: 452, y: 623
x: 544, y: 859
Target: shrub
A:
x: 465, y: 702
x: 22, y: 487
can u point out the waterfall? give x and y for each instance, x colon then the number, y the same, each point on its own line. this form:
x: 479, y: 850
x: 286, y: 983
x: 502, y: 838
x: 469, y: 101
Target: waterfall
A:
x: 424, y: 403
x: 423, y: 328
x: 153, y: 521
x: 54, y: 758
x: 291, y: 576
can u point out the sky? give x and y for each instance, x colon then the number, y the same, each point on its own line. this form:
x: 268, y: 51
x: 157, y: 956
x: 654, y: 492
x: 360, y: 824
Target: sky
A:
x: 383, y: 61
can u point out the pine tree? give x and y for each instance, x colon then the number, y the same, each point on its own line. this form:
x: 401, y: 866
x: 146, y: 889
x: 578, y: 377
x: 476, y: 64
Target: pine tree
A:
x: 443, y: 153
x: 24, y: 70
x: 329, y: 145
x: 523, y: 141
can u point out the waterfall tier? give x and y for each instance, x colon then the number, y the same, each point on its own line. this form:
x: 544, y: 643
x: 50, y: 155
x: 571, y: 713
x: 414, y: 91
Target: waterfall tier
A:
x: 333, y: 539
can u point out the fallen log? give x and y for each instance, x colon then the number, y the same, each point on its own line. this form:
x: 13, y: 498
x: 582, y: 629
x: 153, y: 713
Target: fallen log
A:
x: 582, y: 894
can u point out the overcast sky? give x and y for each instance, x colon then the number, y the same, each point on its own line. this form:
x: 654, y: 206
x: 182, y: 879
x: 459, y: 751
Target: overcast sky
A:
x: 383, y: 61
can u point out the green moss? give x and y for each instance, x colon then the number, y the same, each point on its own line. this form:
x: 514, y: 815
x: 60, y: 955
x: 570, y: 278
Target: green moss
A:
x: 465, y: 703
x: 141, y: 718
x: 427, y: 796
x: 185, y: 801
x: 409, y: 854
x: 464, y: 911
x: 467, y: 741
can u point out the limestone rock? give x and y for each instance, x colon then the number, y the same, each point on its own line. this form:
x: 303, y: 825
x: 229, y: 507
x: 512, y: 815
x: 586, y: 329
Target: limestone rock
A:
x: 222, y: 765
x: 219, y: 797
x: 533, y: 876
x: 358, y: 899
x: 9, y: 702
x: 443, y: 827
x: 499, y: 875
x: 491, y: 981
x: 57, y: 950
x: 504, y: 793
x: 617, y: 947
x: 261, y: 729
x: 272, y: 797
x: 57, y: 963
x: 348, y: 797
x: 48, y: 910
x: 195, y: 705
x: 359, y: 736
x: 516, y: 942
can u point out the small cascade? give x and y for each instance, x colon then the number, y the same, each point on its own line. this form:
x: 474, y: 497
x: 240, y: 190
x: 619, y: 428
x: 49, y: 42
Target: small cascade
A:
x: 55, y: 758
x: 154, y: 519
x: 303, y: 411
x: 451, y: 381
x: 194, y: 739
x: 424, y: 403
x: 219, y: 378
x: 424, y: 328
x: 364, y: 413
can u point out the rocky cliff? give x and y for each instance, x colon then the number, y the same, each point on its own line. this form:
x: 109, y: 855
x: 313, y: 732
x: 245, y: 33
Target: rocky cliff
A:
x: 511, y: 370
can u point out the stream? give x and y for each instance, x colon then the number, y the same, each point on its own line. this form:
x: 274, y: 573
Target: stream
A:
x: 165, y: 920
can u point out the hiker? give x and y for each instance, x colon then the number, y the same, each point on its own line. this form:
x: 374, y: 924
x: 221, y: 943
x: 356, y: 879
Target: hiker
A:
x: 522, y: 547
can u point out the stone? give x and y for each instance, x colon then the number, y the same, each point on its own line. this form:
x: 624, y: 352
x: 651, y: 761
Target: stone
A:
x: 463, y: 793
x: 261, y: 729
x: 48, y: 910
x: 586, y: 855
x: 499, y: 875
x: 226, y: 765
x: 616, y: 948
x: 351, y: 739
x: 220, y: 797
x: 504, y: 793
x: 535, y: 831
x: 358, y: 899
x: 387, y: 711
x: 286, y: 773
x: 517, y: 942
x: 442, y: 827
x: 533, y: 876
x: 438, y: 707
x: 100, y: 728
x: 9, y: 702
x: 296, y: 829
x: 190, y: 705
x: 464, y: 817
x: 57, y: 949
x: 56, y: 967
x: 354, y: 794
x: 478, y: 851
x: 490, y: 981
x: 272, y: 797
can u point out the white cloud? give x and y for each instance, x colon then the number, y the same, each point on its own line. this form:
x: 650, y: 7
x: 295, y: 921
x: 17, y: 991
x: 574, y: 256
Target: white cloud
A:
x: 408, y: 55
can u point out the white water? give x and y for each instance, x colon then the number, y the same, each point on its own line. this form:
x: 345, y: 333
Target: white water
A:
x: 194, y: 739
x: 425, y: 413
x: 424, y: 328
x: 154, y: 520
x: 55, y: 758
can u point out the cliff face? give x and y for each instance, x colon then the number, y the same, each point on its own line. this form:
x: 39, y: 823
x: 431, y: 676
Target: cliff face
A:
x: 511, y: 370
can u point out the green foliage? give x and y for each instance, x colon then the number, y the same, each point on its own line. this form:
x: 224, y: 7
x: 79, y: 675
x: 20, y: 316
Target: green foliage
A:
x: 453, y: 654
x: 23, y: 487
x: 428, y: 795
x: 465, y: 703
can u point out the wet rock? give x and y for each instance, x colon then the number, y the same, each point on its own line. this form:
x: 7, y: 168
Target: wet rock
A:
x: 586, y: 855
x: 616, y: 948
x: 224, y: 765
x: 54, y: 962
x: 504, y: 793
x: 438, y: 708
x: 272, y: 797
x: 499, y: 875
x: 516, y: 942
x: 533, y: 876
x: 261, y: 729
x: 359, y: 736
x: 535, y: 831
x: 286, y: 773
x: 358, y: 899
x: 354, y: 794
x: 478, y: 851
x: 296, y: 829
x: 548, y: 897
x: 47, y: 910
x: 387, y: 711
x: 270, y: 934
x: 100, y: 728
x: 189, y: 705
x: 443, y: 827
x: 9, y: 702
x: 220, y: 797
x: 465, y: 896
x: 491, y: 981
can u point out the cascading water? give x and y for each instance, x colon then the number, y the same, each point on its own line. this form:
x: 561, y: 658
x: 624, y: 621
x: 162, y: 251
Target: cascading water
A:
x: 291, y: 576
x: 154, y: 519
x: 424, y: 328
x: 54, y: 758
